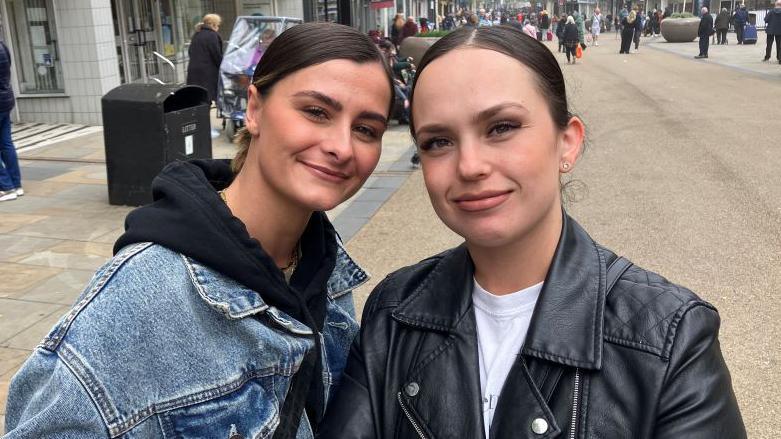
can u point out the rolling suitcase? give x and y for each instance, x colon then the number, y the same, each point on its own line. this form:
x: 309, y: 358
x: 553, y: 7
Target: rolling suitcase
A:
x: 750, y: 34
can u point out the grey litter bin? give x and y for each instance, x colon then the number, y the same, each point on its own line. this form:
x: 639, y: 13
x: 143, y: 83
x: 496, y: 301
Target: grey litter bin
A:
x: 145, y: 127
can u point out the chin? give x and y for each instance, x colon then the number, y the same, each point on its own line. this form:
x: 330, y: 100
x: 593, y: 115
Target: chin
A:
x: 319, y: 201
x: 482, y: 234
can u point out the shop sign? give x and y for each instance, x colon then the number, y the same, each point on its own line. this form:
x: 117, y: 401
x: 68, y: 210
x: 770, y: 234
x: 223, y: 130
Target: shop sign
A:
x: 382, y: 4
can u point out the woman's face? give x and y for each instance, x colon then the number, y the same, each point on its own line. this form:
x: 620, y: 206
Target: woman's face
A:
x: 491, y: 161
x: 317, y: 134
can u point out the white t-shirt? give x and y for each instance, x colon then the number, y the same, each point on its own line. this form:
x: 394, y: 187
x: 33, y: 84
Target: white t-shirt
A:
x: 502, y: 323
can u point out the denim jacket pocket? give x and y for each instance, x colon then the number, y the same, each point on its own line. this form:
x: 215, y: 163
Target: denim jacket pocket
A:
x: 251, y: 411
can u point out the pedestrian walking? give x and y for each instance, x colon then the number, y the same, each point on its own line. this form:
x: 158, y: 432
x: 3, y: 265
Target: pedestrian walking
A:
x: 397, y: 30
x: 739, y: 20
x: 638, y: 28
x: 627, y: 31
x: 704, y: 32
x: 722, y: 26
x: 579, y: 21
x: 424, y: 25
x: 529, y: 29
x: 205, y: 54
x: 773, y: 29
x: 571, y: 39
x: 227, y: 309
x: 596, y: 26
x: 410, y: 29
x: 544, y: 25
x: 10, y: 175
x: 529, y: 328
x: 560, y: 31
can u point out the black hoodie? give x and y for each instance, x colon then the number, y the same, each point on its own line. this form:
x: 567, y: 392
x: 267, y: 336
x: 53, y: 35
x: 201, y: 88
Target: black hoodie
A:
x: 188, y: 216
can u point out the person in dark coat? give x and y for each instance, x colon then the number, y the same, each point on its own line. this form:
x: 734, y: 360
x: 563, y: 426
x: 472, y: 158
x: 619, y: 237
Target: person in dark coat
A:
x: 206, y: 55
x: 10, y: 176
x: 396, y: 30
x: 627, y: 31
x: 773, y: 29
x: 704, y: 32
x: 722, y: 26
x: 560, y: 31
x: 739, y: 19
x: 571, y: 39
x: 410, y: 29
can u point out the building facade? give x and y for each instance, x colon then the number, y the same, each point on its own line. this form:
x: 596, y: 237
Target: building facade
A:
x: 68, y: 53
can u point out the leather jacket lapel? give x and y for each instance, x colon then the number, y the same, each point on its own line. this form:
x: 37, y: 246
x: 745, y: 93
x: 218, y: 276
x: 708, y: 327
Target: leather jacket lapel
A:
x: 522, y: 407
x: 442, y: 392
x: 574, y: 292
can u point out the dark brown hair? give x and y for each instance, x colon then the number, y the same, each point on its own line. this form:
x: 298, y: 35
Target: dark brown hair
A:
x: 514, y: 43
x: 303, y: 46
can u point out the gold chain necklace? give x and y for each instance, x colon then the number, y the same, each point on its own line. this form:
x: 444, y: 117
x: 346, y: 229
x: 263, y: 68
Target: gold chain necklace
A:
x: 294, y: 255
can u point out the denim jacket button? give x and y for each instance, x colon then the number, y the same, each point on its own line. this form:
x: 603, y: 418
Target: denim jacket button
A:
x: 412, y: 389
x: 539, y: 426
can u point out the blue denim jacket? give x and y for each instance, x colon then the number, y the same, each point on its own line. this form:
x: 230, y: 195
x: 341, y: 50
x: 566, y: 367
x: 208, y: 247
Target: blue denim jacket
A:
x: 159, y: 345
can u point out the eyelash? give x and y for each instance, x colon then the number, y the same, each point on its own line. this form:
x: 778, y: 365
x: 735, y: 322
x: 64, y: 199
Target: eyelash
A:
x: 319, y: 114
x: 505, y: 126
x: 316, y: 113
x: 430, y: 144
x: 508, y: 126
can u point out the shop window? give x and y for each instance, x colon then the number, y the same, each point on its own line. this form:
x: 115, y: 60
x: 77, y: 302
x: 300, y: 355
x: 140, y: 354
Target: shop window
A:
x: 36, y: 54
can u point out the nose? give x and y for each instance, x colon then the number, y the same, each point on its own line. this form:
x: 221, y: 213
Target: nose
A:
x: 473, y: 164
x: 337, y: 144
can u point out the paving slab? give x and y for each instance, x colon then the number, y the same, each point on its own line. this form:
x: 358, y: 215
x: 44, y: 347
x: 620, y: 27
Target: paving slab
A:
x: 63, y: 288
x: 18, y: 278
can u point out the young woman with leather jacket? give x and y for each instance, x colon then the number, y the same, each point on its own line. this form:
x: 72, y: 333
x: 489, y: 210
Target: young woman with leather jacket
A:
x: 529, y: 329
x: 227, y: 311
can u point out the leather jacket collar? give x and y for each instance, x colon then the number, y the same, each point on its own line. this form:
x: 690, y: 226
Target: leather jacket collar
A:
x: 574, y: 291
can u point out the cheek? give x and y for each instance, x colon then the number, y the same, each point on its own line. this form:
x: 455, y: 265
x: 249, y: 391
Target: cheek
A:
x: 366, y: 159
x: 436, y: 180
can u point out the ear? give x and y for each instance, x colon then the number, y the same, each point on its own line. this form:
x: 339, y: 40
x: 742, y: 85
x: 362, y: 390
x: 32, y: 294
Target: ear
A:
x: 571, y: 143
x: 254, y: 110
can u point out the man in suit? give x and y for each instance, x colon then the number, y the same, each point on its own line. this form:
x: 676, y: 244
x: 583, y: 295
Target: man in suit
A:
x: 704, y: 32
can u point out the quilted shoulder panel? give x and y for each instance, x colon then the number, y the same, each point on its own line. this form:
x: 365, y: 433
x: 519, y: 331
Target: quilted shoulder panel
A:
x: 641, y: 308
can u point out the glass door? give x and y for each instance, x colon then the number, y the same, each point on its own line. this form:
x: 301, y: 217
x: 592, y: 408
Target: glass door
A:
x: 137, y: 36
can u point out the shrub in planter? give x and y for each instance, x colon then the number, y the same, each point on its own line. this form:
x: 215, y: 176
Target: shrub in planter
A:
x: 680, y: 28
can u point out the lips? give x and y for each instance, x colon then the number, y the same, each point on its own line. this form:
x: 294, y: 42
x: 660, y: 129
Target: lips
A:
x: 480, y: 201
x: 325, y: 172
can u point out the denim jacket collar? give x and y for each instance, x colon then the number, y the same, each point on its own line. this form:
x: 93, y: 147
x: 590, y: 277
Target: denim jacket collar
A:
x: 574, y: 292
x: 237, y: 301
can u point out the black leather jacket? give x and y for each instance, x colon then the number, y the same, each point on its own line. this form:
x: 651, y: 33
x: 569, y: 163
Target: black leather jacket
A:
x: 640, y: 362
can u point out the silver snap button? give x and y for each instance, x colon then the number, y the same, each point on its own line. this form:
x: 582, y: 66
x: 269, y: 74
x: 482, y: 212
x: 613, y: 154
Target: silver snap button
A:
x: 412, y: 389
x: 539, y: 426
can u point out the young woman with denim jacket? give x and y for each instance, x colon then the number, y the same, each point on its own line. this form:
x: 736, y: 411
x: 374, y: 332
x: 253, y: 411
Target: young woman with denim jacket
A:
x: 530, y: 329
x: 227, y: 309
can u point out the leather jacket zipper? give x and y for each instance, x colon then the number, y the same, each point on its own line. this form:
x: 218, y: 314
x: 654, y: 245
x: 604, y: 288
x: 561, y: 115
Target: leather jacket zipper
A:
x: 575, y: 403
x: 409, y: 416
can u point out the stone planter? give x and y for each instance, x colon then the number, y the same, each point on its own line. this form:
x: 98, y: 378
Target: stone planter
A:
x: 415, y: 47
x: 680, y: 30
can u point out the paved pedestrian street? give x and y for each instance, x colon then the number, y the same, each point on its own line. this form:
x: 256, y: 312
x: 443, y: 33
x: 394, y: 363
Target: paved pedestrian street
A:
x: 680, y: 175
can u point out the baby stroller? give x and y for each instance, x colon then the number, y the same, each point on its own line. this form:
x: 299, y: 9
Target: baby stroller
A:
x: 249, y: 39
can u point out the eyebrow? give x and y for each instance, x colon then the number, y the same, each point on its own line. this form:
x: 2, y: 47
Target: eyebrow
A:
x: 327, y: 100
x: 336, y: 105
x: 492, y: 111
x: 481, y: 116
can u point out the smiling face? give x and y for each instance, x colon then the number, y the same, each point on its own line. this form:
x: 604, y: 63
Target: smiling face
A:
x: 316, y: 135
x: 491, y: 161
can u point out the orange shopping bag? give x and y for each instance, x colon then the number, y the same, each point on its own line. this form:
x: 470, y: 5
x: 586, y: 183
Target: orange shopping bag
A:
x: 579, y: 52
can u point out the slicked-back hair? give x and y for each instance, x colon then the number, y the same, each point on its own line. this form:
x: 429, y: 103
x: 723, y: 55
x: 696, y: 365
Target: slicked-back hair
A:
x: 514, y: 43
